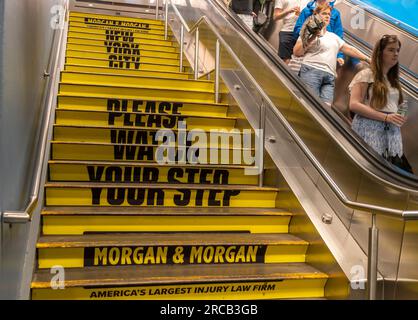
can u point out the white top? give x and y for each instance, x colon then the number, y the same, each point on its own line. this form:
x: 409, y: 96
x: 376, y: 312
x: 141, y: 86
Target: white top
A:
x: 323, y: 54
x: 366, y: 76
x: 289, y: 20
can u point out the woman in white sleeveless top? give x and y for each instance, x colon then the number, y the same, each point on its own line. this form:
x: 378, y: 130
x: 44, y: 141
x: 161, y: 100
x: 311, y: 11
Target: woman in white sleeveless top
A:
x: 375, y: 96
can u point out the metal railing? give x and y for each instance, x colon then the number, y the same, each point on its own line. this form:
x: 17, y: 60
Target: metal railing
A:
x: 10, y: 216
x: 372, y: 272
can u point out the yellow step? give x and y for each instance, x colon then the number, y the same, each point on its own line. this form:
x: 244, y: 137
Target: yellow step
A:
x: 80, y: 220
x: 108, y: 20
x: 135, y: 81
x: 176, y: 155
x: 118, y: 249
x: 141, y: 106
x: 75, y: 43
x: 108, y: 41
x: 72, y: 44
x: 160, y: 195
x: 128, y: 72
x: 114, y: 30
x: 232, y: 282
x: 119, y: 60
x: 124, y: 65
x: 123, y: 92
x: 154, y: 136
x: 124, y: 52
x: 140, y: 120
x: 95, y: 171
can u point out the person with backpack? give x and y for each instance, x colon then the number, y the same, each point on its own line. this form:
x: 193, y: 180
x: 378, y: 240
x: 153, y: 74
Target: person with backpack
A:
x: 288, y: 11
x: 246, y: 10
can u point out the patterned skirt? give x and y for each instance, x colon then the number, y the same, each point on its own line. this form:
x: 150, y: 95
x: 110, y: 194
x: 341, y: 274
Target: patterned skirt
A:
x: 385, y: 139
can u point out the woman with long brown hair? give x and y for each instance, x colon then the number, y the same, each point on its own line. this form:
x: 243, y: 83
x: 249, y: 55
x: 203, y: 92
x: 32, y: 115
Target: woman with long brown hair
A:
x: 375, y: 96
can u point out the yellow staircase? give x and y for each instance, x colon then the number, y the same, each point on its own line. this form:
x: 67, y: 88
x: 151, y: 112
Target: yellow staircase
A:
x: 117, y: 224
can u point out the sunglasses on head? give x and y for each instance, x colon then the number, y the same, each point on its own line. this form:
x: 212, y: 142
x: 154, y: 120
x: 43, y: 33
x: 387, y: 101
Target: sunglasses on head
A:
x: 392, y: 37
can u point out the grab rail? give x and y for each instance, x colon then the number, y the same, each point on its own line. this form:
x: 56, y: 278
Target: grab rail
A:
x: 26, y: 215
x: 371, y: 209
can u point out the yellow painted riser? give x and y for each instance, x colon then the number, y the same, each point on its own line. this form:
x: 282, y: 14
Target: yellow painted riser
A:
x: 102, y: 135
x: 124, y: 35
x: 120, y: 59
x: 101, y: 29
x: 301, y: 288
x: 73, y: 44
x: 98, y: 104
x: 78, y: 172
x: 146, y: 39
x: 158, y: 83
x: 116, y: 66
x: 74, y: 257
x: 81, y: 43
x: 77, y: 225
x: 80, y: 17
x: 128, y: 72
x: 135, y: 93
x: 137, y: 120
x: 72, y: 151
x: 84, y: 197
x: 77, y: 52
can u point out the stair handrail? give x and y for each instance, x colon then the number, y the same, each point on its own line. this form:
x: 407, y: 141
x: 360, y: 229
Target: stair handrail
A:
x: 373, y: 210
x: 20, y: 217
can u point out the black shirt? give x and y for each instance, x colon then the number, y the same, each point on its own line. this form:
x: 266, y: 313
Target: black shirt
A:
x: 245, y: 6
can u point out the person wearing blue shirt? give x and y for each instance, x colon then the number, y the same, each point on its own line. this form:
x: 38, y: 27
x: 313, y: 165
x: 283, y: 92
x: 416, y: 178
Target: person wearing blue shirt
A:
x: 335, y: 25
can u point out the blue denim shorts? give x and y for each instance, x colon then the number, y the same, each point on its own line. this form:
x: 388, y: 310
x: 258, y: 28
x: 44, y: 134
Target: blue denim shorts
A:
x: 321, y: 82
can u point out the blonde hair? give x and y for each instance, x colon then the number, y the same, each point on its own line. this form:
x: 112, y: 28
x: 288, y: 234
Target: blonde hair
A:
x: 322, y: 7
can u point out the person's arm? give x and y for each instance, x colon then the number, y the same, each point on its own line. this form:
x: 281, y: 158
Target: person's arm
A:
x: 280, y: 13
x: 354, y: 52
x: 337, y: 28
x: 358, y: 93
x: 299, y: 23
x: 299, y: 50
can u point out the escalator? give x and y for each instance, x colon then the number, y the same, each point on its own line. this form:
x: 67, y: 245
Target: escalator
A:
x: 410, y: 91
x: 357, y: 174
x: 374, y: 24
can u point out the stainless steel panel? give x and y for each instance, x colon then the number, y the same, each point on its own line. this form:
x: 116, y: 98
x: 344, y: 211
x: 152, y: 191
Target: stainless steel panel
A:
x: 408, y: 268
x: 375, y: 28
x: 25, y: 45
x: 410, y: 133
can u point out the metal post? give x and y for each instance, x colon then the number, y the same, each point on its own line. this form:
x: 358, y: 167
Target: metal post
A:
x: 262, y: 125
x: 217, y: 68
x: 166, y: 20
x: 181, y: 47
x: 196, y: 55
x: 372, y: 259
x: 157, y: 8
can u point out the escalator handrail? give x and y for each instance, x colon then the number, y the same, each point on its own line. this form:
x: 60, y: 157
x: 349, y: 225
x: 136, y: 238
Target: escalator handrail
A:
x: 413, y: 215
x: 385, y: 17
x: 404, y: 69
